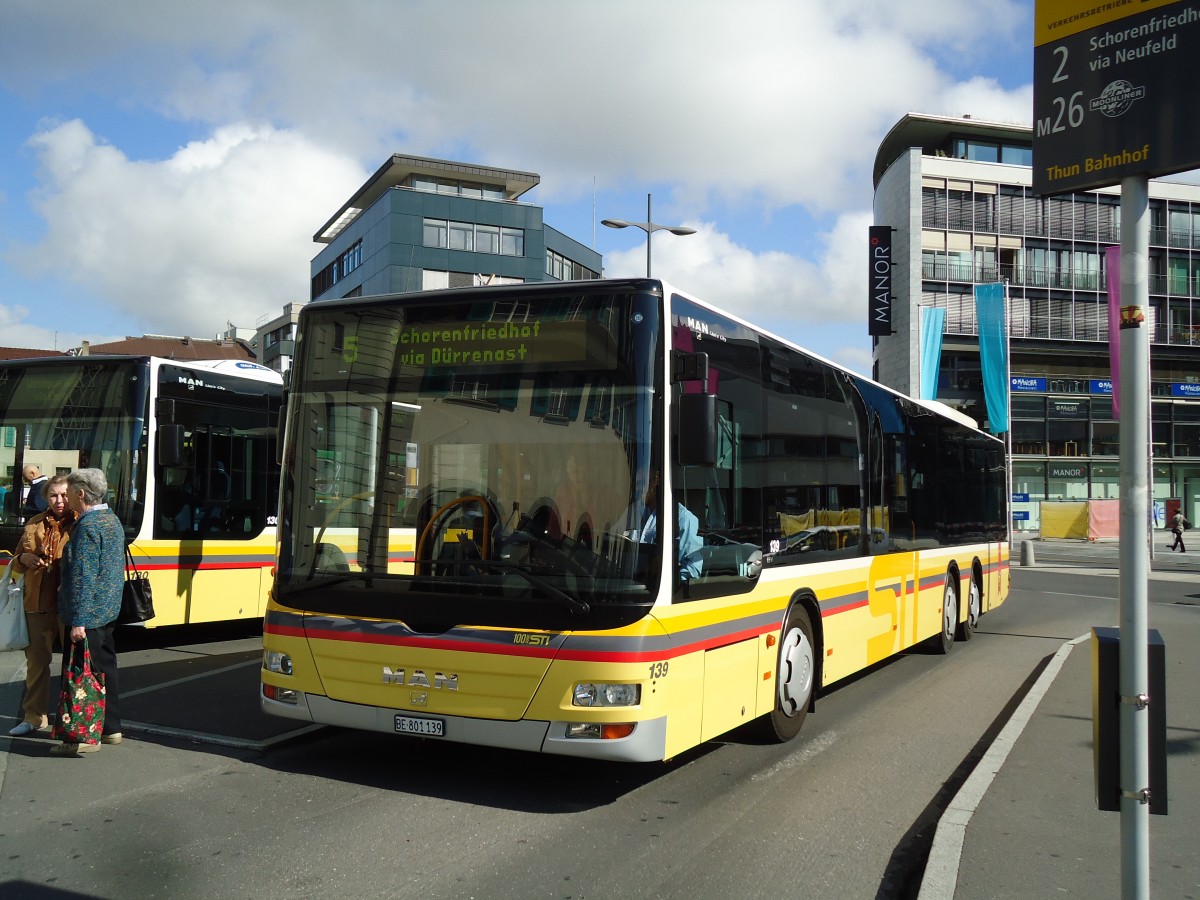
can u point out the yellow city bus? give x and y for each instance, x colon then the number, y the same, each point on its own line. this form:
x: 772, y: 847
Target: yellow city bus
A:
x: 470, y: 546
x: 189, y: 452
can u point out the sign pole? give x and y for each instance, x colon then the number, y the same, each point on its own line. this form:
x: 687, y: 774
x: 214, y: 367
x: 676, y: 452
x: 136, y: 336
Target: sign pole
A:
x: 1008, y: 469
x: 1133, y: 676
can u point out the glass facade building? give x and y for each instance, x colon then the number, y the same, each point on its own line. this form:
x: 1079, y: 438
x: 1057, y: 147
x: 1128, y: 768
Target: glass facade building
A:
x: 419, y: 224
x: 957, y: 194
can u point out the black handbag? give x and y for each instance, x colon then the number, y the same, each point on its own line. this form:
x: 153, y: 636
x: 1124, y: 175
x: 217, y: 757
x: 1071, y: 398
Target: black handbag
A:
x: 137, y: 600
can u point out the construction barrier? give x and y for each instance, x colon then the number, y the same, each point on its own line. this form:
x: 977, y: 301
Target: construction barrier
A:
x: 1081, y: 520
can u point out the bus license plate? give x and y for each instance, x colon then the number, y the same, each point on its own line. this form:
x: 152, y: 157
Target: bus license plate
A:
x: 425, y: 727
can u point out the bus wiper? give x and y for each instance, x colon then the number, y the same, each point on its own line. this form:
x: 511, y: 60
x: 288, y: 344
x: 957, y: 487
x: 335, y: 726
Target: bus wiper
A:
x: 576, y: 605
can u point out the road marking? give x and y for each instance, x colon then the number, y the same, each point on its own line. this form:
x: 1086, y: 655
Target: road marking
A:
x: 196, y: 677
x: 219, y: 740
x: 941, y: 869
x: 12, y: 673
x: 205, y: 737
x: 1176, y: 575
x: 15, y: 674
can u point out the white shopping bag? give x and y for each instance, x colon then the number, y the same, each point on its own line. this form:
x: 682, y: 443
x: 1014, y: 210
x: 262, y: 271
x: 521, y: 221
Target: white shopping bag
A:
x: 14, y: 632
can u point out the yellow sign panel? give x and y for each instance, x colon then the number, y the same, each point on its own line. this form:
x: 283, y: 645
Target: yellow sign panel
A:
x: 1057, y: 19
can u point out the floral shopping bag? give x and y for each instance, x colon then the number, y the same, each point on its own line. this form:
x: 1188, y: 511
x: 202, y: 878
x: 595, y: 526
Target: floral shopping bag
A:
x: 80, y: 717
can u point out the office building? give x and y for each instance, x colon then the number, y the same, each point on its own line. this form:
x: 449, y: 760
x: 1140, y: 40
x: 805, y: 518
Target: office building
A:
x: 419, y: 224
x: 957, y: 194
x: 275, y: 337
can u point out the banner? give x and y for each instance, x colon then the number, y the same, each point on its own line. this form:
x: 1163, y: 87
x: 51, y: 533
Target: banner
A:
x: 933, y: 322
x: 993, y: 353
x: 1112, y: 272
x: 879, y: 308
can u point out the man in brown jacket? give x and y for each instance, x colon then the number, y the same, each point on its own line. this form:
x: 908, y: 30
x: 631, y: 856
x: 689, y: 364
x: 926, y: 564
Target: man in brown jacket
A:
x: 37, y: 557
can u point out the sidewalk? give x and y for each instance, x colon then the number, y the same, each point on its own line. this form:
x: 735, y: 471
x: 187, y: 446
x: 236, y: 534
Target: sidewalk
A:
x: 1026, y: 824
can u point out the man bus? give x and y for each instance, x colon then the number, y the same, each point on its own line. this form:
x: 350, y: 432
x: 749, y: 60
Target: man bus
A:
x: 188, y: 449
x: 807, y: 523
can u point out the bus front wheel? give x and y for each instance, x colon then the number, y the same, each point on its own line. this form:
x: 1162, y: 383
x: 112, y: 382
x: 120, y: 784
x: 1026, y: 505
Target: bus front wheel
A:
x: 795, y: 678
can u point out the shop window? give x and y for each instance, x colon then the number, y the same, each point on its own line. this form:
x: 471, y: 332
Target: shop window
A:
x: 1066, y: 437
x: 1029, y: 437
x: 1105, y: 439
x: 1187, y: 439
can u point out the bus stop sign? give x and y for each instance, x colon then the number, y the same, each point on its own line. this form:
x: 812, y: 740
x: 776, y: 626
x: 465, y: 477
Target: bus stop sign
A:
x: 1113, y: 91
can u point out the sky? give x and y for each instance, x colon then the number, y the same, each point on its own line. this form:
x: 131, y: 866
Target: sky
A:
x: 164, y: 166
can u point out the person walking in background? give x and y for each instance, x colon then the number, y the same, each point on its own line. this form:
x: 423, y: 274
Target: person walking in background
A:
x: 37, y: 558
x: 89, y: 597
x: 1178, y: 523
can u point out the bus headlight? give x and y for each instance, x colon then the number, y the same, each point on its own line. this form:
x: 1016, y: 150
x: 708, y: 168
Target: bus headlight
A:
x: 589, y: 694
x: 274, y: 661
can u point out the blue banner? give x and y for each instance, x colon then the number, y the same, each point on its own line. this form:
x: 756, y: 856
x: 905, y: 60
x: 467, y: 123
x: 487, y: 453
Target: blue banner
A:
x: 993, y: 353
x: 933, y: 322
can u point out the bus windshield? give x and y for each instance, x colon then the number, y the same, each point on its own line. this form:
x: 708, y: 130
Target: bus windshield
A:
x: 453, y: 460
x: 70, y: 413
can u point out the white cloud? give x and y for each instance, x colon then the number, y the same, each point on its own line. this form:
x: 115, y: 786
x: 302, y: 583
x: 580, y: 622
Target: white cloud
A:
x: 819, y: 304
x: 780, y: 100
x: 221, y: 231
x: 20, y: 328
x: 770, y: 285
x: 760, y: 107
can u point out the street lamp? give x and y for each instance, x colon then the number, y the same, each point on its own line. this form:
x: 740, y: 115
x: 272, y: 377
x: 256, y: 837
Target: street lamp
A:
x: 649, y: 227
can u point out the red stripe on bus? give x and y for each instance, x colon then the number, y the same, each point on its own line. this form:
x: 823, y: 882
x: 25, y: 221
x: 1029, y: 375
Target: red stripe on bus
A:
x: 845, y: 607
x: 174, y: 567
x: 525, y: 650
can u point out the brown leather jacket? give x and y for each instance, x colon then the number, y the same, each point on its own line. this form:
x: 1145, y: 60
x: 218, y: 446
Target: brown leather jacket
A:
x: 42, y: 533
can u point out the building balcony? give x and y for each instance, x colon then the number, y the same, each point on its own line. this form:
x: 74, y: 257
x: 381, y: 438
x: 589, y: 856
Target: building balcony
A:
x: 279, y: 348
x: 1051, y: 279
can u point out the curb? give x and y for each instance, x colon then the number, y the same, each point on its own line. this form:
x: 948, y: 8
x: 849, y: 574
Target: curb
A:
x: 941, y: 868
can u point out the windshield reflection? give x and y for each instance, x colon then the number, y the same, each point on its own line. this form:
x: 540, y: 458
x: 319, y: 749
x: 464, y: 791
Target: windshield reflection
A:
x: 473, y: 448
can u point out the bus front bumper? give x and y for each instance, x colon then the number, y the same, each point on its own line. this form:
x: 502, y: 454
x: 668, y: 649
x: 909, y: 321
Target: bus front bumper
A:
x: 647, y: 743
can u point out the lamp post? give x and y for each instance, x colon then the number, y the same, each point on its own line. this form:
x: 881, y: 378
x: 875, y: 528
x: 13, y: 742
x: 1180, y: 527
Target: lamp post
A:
x: 649, y: 227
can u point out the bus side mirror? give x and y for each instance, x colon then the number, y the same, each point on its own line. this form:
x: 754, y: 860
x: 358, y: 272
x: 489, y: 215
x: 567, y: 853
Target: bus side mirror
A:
x: 170, y: 445
x: 697, y: 429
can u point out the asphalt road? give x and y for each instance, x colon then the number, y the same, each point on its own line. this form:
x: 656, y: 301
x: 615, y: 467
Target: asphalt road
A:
x: 207, y: 798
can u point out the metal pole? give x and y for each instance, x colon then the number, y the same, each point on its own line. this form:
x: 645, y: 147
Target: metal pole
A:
x: 1135, y: 522
x: 649, y: 232
x: 1008, y: 473
x: 1150, y: 458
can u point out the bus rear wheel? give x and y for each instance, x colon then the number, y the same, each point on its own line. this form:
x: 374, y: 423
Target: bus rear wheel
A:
x: 944, y: 642
x: 795, y: 678
x: 966, y: 628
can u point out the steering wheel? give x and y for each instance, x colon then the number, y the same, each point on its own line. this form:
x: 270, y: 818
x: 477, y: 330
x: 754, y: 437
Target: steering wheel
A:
x: 432, y: 527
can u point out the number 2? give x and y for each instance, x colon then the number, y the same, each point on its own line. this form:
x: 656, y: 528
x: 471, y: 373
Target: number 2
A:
x: 1062, y: 64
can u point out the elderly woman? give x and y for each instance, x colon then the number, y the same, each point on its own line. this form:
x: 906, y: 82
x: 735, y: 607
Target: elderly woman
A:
x: 36, y: 558
x: 89, y: 598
